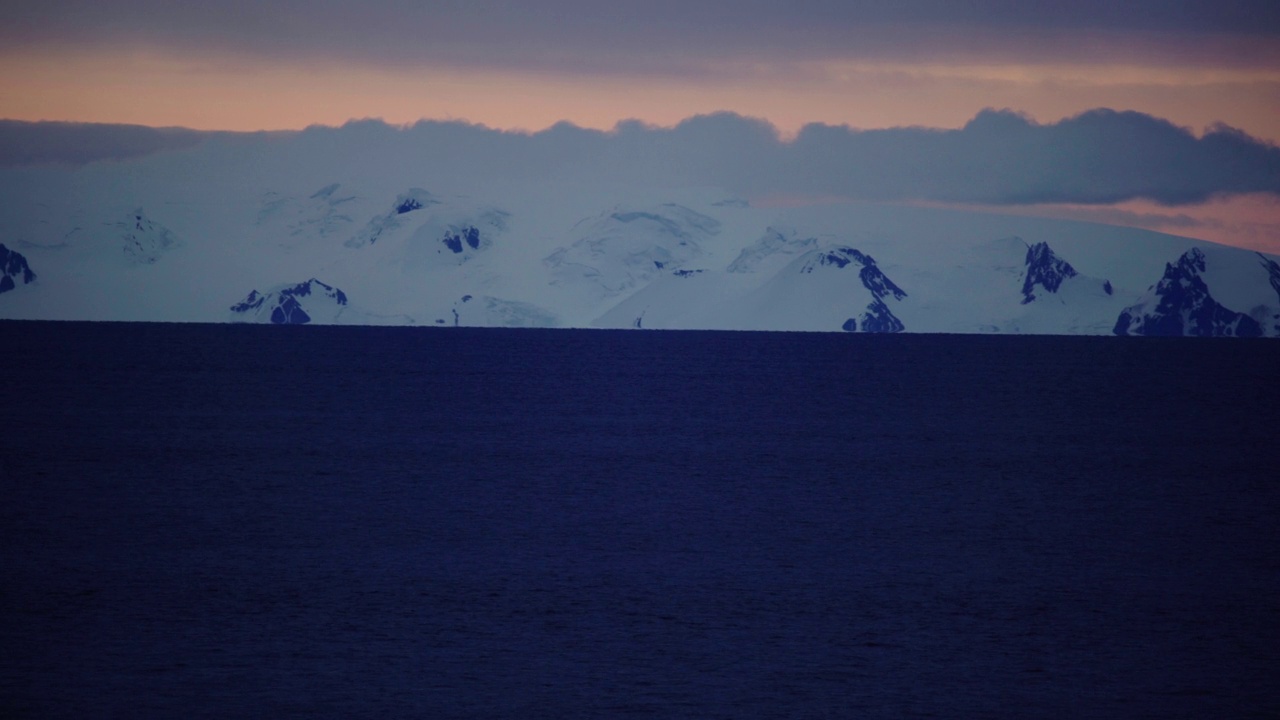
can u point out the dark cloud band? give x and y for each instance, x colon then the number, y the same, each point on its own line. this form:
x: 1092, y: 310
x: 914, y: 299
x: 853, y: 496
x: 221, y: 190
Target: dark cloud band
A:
x: 1000, y: 157
x: 1099, y: 157
x: 25, y: 143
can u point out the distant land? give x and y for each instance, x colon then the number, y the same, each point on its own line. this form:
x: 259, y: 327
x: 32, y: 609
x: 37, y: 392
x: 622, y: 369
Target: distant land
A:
x: 346, y: 227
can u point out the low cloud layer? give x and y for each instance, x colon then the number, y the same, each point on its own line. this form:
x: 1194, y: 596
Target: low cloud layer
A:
x: 25, y: 143
x: 998, y: 158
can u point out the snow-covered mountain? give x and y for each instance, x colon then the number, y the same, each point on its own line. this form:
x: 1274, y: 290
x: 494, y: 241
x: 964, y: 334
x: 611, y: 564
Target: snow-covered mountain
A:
x: 291, y: 222
x: 831, y: 288
x: 625, y: 249
x: 292, y: 304
x: 402, y: 244
x: 142, y: 240
x: 1181, y: 303
x: 1044, y: 270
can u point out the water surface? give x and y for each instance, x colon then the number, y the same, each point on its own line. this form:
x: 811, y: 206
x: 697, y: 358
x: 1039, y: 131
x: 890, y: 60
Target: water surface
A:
x: 205, y: 520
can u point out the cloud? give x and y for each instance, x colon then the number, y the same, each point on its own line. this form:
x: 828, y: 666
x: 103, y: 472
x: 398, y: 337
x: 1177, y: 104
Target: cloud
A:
x: 26, y: 143
x: 1109, y: 215
x: 651, y: 36
x: 1000, y: 157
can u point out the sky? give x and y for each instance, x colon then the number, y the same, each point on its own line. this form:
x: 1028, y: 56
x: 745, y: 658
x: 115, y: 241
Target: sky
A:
x: 872, y: 65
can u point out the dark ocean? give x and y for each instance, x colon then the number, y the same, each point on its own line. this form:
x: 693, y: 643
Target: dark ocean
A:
x: 246, y: 521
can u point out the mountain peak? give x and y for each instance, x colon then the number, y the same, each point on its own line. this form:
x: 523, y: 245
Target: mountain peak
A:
x: 838, y: 257
x: 869, y: 273
x: 774, y: 241
x: 1183, y: 306
x: 877, y: 318
x: 285, y: 305
x: 1045, y: 269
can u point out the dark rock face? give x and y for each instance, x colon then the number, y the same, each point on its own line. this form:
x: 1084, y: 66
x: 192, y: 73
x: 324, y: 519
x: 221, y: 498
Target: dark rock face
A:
x: 839, y: 257
x: 468, y: 235
x: 252, y: 301
x: 289, y: 312
x: 406, y: 205
x: 872, y: 278
x: 1185, y: 307
x: 687, y: 273
x: 878, y: 283
x: 13, y: 268
x: 878, y: 318
x: 285, y: 306
x: 1271, y: 265
x: 306, y: 288
x: 1046, y: 270
x: 1273, y: 269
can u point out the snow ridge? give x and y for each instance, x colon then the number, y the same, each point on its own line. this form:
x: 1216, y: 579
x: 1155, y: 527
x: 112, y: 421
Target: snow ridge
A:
x: 878, y: 318
x: 407, y: 202
x: 325, y: 212
x: 775, y: 241
x: 625, y: 249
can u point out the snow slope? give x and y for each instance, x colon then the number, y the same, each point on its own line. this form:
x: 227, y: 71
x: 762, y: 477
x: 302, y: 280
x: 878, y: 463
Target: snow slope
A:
x: 219, y: 233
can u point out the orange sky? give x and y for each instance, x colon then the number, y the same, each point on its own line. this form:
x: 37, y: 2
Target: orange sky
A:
x: 227, y: 94
x: 208, y: 90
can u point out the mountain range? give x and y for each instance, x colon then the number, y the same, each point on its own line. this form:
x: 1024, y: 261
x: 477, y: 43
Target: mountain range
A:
x: 192, y: 236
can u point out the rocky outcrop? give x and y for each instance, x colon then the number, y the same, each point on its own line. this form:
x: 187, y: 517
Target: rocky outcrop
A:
x: 878, y: 318
x: 1180, y: 305
x: 456, y: 238
x: 288, y: 305
x: 1044, y: 270
x: 14, y: 270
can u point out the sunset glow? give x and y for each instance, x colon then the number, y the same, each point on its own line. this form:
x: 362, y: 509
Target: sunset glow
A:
x: 506, y: 66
